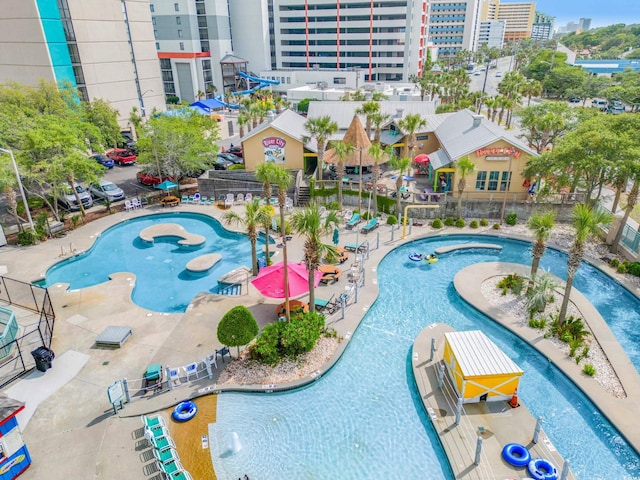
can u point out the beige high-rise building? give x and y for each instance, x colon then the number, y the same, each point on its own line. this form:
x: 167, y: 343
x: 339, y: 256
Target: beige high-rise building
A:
x: 104, y: 48
x: 518, y: 17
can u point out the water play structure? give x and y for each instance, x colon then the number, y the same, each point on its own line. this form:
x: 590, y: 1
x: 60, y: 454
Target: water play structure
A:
x: 260, y: 83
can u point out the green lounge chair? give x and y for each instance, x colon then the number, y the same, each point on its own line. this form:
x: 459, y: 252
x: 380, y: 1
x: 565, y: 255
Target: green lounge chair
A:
x: 159, y: 442
x: 171, y: 467
x: 352, y: 247
x: 321, y: 304
x: 372, y: 225
x: 166, y: 456
x: 353, y: 221
x: 156, y: 433
x: 153, y: 423
x: 181, y: 475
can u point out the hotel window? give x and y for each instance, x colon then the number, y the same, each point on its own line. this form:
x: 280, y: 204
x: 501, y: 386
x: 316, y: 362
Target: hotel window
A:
x: 340, y: 80
x: 181, y: 45
x: 176, y: 6
x: 178, y: 21
x: 481, y: 180
x: 179, y: 33
x: 157, y: 45
x: 505, y: 183
x: 493, y: 181
x: 152, y: 8
x: 153, y: 20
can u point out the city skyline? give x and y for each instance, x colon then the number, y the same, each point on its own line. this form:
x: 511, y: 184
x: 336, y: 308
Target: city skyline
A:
x: 616, y: 11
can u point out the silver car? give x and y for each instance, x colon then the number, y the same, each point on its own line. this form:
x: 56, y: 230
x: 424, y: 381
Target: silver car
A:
x: 106, y: 190
x: 68, y: 200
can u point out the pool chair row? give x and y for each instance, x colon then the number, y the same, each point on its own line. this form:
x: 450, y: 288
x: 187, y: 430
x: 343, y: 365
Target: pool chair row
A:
x: 196, y: 199
x: 193, y: 370
x: 164, y: 448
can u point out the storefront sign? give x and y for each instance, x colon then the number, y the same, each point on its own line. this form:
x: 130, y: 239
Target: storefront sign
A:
x: 497, y: 158
x: 483, y: 152
x: 274, y: 149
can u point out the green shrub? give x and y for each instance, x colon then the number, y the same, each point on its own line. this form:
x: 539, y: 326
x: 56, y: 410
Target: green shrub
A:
x: 366, y: 216
x: 512, y: 218
x: 574, y: 345
x: 539, y: 323
x: 583, y: 354
x: 513, y: 282
x: 237, y: 327
x: 236, y: 166
x: 484, y: 222
x: 27, y: 237
x: 473, y: 224
x: 622, y: 268
x: 572, y: 328
x: 633, y: 268
x: 614, y: 262
x: 392, y: 220
x: 460, y: 223
x: 589, y: 369
x: 449, y: 221
x: 437, y: 223
x: 75, y: 221
x: 333, y: 205
x: 282, y: 340
x: 496, y: 226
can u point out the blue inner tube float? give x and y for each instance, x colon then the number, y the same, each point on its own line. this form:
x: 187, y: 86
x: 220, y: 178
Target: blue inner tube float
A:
x: 184, y: 411
x: 415, y: 256
x: 541, y: 469
x: 516, y: 454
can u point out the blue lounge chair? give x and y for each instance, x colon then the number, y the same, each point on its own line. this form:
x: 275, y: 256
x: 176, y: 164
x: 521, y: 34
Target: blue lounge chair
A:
x: 353, y: 221
x: 372, y: 225
x: 352, y: 247
x: 322, y: 304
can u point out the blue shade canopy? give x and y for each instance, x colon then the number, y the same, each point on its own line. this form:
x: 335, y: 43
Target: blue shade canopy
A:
x: 166, y: 185
x: 208, y: 104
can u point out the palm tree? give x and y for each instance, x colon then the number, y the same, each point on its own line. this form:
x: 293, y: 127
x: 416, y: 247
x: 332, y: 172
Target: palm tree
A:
x: 310, y: 223
x: 585, y: 222
x: 243, y: 120
x: 342, y: 151
x: 530, y: 89
x: 464, y: 167
x: 377, y: 121
x: 541, y: 225
x: 254, y: 216
x: 283, y: 180
x: 410, y: 124
x: 266, y: 173
x: 377, y: 152
x: 401, y: 164
x: 368, y: 109
x: 321, y: 129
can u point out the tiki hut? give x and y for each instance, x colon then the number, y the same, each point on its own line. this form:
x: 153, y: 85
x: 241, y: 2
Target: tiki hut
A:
x: 356, y: 136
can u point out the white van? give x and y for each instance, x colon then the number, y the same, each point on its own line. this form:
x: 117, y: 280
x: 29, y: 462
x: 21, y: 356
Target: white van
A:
x: 599, y: 103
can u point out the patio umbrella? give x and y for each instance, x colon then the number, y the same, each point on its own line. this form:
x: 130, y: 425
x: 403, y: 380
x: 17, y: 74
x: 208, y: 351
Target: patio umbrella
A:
x: 270, y: 280
x: 166, y: 185
x: 336, y: 236
x: 422, y: 159
x: 406, y: 178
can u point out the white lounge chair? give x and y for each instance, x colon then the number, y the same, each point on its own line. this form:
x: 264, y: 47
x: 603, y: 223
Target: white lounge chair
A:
x: 248, y: 197
x: 174, y: 375
x: 191, y: 370
x: 228, y: 201
x: 128, y: 206
x: 240, y: 199
x: 135, y: 203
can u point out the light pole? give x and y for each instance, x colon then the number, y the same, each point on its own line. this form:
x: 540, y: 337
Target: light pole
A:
x: 484, y: 85
x: 24, y: 197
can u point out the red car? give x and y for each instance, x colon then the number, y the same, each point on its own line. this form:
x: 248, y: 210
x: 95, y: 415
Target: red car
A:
x: 150, y: 179
x: 122, y: 156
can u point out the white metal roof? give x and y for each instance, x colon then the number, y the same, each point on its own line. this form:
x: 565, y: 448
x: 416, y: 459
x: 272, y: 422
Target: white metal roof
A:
x: 477, y: 355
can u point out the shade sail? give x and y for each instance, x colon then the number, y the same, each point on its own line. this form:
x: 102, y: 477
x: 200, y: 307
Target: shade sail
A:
x: 270, y: 280
x: 166, y: 185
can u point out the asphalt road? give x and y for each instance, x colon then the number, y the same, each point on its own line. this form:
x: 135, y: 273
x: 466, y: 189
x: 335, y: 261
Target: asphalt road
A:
x: 478, y: 77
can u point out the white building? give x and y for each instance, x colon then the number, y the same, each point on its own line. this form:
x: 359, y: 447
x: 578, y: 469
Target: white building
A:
x: 453, y: 24
x: 491, y: 33
x: 104, y: 48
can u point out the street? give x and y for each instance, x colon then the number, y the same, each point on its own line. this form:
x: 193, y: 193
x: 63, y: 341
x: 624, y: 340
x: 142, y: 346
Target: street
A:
x: 491, y: 88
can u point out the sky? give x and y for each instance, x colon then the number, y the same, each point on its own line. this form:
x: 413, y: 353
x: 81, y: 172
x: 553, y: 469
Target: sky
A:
x: 601, y: 12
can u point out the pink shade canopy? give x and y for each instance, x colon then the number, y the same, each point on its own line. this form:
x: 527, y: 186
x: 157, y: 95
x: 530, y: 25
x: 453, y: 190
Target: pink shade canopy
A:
x: 270, y: 280
x: 423, y: 158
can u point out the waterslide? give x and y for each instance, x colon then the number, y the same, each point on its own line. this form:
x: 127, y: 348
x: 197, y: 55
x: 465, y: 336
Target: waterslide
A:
x: 262, y: 82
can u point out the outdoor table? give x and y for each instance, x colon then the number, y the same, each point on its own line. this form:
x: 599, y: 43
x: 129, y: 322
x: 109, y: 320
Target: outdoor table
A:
x: 170, y: 200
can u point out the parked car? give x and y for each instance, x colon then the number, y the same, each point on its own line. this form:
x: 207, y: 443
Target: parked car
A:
x: 106, y: 190
x: 222, y: 163
x: 68, y: 200
x: 599, y: 103
x: 498, y: 74
x: 122, y: 156
x: 232, y: 158
x: 151, y: 180
x: 616, y: 107
x: 575, y: 99
x: 104, y: 160
x: 236, y: 150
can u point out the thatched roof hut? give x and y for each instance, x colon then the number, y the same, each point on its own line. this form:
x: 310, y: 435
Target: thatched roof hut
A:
x: 357, y: 137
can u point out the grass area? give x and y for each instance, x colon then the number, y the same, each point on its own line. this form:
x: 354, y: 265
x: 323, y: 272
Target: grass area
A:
x: 188, y: 438
x: 635, y: 214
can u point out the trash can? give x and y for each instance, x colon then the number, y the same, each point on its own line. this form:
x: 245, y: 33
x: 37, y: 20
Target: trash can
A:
x: 43, y: 357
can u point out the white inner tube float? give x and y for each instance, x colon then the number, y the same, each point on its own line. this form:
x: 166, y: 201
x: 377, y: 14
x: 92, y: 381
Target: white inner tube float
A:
x: 184, y: 411
x: 415, y: 256
x: 541, y: 469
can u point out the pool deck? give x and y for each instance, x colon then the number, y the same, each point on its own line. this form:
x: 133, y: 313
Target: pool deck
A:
x: 495, y: 422
x: 74, y: 429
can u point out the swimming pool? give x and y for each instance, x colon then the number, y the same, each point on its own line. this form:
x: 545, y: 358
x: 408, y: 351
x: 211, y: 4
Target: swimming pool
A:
x: 162, y: 282
x: 364, y: 418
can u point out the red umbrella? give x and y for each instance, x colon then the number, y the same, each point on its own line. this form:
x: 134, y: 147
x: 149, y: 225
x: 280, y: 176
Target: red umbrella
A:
x: 270, y: 280
x: 421, y: 159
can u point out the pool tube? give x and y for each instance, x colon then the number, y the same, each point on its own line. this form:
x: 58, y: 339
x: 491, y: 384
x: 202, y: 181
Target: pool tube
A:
x: 516, y: 454
x: 541, y: 469
x: 415, y: 256
x: 431, y: 258
x: 184, y: 411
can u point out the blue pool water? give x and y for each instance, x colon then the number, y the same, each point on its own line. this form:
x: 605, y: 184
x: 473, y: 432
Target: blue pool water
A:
x: 364, y: 418
x: 162, y: 282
